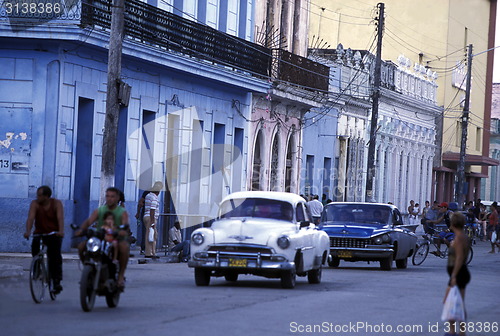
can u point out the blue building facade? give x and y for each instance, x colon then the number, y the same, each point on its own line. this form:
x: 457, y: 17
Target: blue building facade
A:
x: 52, y: 101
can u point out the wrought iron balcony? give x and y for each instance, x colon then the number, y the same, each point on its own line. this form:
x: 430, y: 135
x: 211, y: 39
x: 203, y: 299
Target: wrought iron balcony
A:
x: 155, y: 27
x: 160, y: 28
x: 303, y: 72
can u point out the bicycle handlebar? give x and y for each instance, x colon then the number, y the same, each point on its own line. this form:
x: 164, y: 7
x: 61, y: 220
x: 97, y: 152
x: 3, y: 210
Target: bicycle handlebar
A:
x: 45, y: 234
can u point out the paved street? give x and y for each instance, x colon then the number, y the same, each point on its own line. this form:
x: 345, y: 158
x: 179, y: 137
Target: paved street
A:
x: 161, y: 299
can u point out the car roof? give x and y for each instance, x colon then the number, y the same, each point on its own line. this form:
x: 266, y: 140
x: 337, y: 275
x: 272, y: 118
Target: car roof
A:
x: 392, y: 206
x: 272, y: 195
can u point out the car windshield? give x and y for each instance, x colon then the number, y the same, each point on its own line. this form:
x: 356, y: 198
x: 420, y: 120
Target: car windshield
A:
x: 257, y: 207
x: 357, y: 213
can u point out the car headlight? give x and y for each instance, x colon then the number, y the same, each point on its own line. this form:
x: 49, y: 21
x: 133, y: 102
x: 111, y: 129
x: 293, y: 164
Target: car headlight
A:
x: 197, y: 239
x: 93, y: 244
x: 283, y: 242
x: 384, y: 238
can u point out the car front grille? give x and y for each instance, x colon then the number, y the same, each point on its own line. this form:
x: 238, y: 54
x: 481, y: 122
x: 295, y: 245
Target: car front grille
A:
x: 237, y: 248
x: 349, y: 242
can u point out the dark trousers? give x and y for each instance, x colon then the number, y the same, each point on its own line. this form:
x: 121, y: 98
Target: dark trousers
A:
x: 141, y: 234
x: 53, y: 254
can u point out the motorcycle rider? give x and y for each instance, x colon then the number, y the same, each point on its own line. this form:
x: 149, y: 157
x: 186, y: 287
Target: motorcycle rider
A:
x: 121, y: 219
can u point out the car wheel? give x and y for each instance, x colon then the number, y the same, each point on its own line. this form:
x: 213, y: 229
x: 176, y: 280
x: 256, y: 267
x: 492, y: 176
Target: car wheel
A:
x: 201, y: 277
x: 314, y: 276
x: 386, y: 264
x: 231, y: 277
x: 402, y: 263
x: 288, y: 279
x: 334, y: 262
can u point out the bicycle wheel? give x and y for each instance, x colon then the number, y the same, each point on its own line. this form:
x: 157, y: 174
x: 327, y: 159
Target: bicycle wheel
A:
x: 470, y: 255
x: 38, y: 275
x: 444, y: 252
x: 420, y: 254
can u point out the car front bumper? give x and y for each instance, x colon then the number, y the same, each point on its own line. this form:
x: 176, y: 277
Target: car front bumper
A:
x: 241, y: 262
x: 375, y: 252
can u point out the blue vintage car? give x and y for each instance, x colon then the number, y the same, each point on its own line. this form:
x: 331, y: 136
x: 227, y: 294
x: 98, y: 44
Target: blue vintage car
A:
x: 367, y: 232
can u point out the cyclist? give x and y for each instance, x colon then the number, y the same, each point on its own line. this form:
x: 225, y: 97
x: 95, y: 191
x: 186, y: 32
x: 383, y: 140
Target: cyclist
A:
x: 113, y: 196
x: 444, y: 236
x: 48, y: 216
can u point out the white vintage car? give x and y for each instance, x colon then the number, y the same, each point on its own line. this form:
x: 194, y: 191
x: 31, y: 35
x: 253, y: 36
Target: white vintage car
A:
x: 262, y: 233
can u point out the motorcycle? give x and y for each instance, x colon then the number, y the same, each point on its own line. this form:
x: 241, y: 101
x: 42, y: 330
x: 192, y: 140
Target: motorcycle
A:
x: 99, y: 274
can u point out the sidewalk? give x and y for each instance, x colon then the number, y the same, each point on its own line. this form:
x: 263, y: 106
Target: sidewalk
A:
x: 8, y: 270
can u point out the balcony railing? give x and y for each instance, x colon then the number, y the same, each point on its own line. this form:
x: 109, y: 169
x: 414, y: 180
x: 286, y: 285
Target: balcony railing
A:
x: 157, y: 27
x: 39, y: 11
x: 303, y: 72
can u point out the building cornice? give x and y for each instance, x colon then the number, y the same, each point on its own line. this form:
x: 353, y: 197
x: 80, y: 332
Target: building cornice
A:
x: 141, y: 51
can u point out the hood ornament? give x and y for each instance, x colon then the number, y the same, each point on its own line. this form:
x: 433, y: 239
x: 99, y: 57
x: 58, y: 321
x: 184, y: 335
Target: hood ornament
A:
x: 344, y: 231
x: 240, y: 237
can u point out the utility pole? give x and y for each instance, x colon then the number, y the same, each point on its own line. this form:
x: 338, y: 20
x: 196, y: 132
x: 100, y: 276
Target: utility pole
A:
x: 375, y: 96
x: 112, y: 101
x: 459, y: 190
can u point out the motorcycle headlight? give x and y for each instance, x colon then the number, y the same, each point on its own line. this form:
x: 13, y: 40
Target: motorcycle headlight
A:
x: 93, y: 244
x: 197, y: 239
x: 283, y: 242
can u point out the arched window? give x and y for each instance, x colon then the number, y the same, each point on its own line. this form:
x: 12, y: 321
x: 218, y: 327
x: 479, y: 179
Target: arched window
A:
x: 275, y: 164
x: 289, y: 163
x: 257, y: 163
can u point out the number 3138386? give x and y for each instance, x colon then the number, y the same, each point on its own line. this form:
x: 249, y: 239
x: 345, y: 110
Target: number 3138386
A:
x: 472, y: 327
x: 39, y: 7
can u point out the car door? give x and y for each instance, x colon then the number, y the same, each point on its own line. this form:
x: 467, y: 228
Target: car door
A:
x: 306, y: 235
x: 403, y: 234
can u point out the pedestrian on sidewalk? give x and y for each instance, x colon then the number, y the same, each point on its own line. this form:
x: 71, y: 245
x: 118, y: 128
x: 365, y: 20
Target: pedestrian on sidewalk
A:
x: 175, y: 242
x: 48, y: 216
x: 150, y: 219
x: 315, y: 207
x: 139, y: 215
x: 492, y: 226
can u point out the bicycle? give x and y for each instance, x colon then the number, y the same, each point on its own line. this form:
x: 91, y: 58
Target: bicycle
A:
x: 39, y: 273
x: 423, y: 250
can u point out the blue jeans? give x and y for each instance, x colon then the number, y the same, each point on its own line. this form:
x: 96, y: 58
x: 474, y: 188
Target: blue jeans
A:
x: 184, y: 247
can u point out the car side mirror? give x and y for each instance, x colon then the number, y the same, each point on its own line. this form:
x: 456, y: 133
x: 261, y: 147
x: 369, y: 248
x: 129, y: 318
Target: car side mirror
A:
x: 305, y: 224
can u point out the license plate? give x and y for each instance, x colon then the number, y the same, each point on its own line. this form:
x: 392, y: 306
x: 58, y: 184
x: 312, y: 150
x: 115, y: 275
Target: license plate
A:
x: 237, y: 262
x: 344, y: 254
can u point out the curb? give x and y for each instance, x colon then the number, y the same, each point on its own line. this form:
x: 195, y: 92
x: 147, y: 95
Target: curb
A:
x: 10, y: 271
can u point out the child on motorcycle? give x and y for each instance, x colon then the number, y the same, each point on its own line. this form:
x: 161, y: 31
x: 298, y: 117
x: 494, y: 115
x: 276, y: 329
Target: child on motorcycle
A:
x: 110, y: 230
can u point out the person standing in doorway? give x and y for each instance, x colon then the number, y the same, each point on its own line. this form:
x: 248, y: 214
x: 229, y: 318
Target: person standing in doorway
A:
x: 150, y: 219
x: 139, y: 215
x: 48, y: 216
